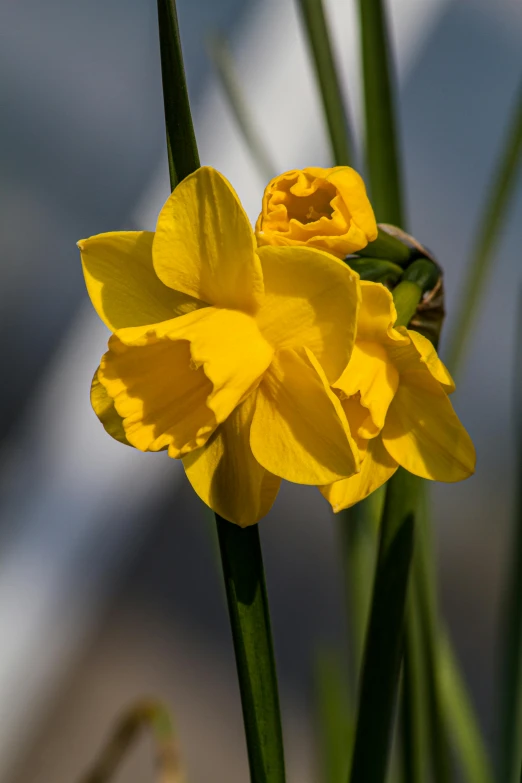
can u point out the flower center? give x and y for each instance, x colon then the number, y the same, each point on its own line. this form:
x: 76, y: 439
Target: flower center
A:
x: 310, y: 207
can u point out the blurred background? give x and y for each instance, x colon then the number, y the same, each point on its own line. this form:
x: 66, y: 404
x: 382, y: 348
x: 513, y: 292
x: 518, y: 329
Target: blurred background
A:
x: 109, y: 581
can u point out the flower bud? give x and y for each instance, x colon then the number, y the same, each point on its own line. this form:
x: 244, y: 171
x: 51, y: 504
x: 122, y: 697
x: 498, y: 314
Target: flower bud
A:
x: 322, y: 208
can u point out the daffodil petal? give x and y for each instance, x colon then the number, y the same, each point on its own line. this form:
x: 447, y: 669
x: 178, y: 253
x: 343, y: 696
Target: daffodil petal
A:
x: 372, y: 375
x: 122, y: 284
x: 311, y: 300
x: 225, y: 474
x: 357, y: 416
x: 204, y: 244
x: 431, y: 359
x: 159, y: 394
x: 103, y: 406
x: 423, y: 433
x: 377, y: 315
x: 351, y: 188
x: 299, y: 430
x: 376, y: 468
x: 226, y: 343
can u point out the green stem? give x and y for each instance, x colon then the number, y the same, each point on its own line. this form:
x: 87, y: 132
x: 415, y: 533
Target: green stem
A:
x: 240, y: 549
x: 383, y: 649
x: 460, y: 718
x: 494, y: 215
x: 314, y: 20
x: 181, y: 140
x: 384, y: 641
x: 359, y: 530
x: 149, y: 715
x: 382, y: 154
x: 249, y: 617
x: 427, y: 618
x: 511, y: 748
x: 334, y: 716
x: 414, y: 728
x: 227, y: 73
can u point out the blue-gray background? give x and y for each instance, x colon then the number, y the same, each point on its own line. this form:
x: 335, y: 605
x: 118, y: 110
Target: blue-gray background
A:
x: 109, y: 584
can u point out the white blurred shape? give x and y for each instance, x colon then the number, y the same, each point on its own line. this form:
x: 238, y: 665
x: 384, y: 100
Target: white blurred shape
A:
x: 278, y: 78
x: 72, y: 501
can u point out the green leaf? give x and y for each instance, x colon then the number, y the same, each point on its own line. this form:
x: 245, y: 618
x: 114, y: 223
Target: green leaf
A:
x: 335, y: 113
x: 240, y: 549
x: 425, y: 616
x: 414, y: 717
x: 181, y: 140
x: 511, y: 674
x: 461, y: 721
x: 383, y: 648
x: 359, y: 531
x: 382, y: 155
x: 334, y: 716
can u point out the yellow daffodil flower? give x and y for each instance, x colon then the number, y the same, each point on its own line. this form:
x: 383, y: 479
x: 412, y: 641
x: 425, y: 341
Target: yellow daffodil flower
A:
x: 323, y: 208
x: 394, y: 392
x: 222, y: 352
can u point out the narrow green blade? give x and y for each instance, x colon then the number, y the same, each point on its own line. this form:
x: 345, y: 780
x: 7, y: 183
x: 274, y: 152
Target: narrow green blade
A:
x: 335, y: 113
x: 383, y: 649
x: 461, y: 721
x: 414, y: 716
x: 181, y: 140
x: 511, y: 679
x: 240, y: 549
x: 382, y: 153
x: 334, y: 716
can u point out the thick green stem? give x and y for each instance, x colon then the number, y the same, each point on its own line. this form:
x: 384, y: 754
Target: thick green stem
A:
x: 250, y: 620
x: 359, y: 532
x: 384, y: 641
x: 382, y: 154
x: 428, y: 620
x: 181, y: 140
x: 414, y: 725
x: 314, y: 19
x: 240, y: 549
